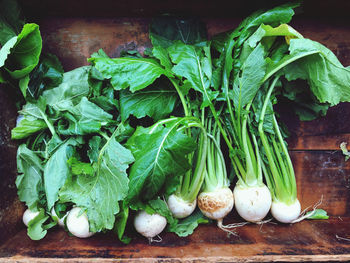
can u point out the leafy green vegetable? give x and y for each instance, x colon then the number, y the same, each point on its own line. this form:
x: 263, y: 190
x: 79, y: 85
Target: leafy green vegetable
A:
x: 69, y: 93
x: 136, y: 73
x: 100, y: 193
x: 36, y: 228
x: 165, y: 30
x: 160, y: 152
x: 25, y: 53
x: 11, y: 20
x: 157, y: 102
x: 56, y: 171
x: 186, y: 226
x: 328, y: 78
x: 29, y: 182
x: 120, y: 223
x: 27, y: 128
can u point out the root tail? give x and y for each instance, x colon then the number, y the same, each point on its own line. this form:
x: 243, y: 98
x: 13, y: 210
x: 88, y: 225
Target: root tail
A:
x: 303, y: 215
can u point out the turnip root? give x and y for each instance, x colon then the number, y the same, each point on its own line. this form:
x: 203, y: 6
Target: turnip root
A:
x: 78, y: 223
x: 252, y: 202
x: 29, y: 215
x: 149, y: 225
x: 285, y: 213
x: 179, y: 207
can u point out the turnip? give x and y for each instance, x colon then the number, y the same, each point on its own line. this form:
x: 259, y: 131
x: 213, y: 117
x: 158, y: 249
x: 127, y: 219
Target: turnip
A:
x: 279, y: 172
x: 179, y: 207
x: 183, y: 202
x: 252, y: 202
x: 78, y: 223
x: 216, y: 199
x: 149, y: 225
x: 29, y: 215
x: 55, y: 217
x: 216, y: 204
x: 286, y: 213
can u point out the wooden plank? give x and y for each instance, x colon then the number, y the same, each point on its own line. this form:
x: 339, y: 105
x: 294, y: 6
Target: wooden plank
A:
x: 323, y: 173
x: 308, y: 240
x: 73, y: 40
x: 201, y: 8
x: 11, y: 209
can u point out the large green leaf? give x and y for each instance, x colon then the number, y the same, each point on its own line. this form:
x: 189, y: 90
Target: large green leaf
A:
x: 25, y: 54
x: 194, y: 64
x: 165, y: 30
x: 84, y: 118
x: 69, y: 93
x: 100, y: 193
x: 56, y: 171
x: 156, y: 102
x: 27, y: 127
x: 160, y: 152
x: 329, y: 80
x: 252, y: 74
x: 11, y: 21
x: 29, y: 182
x: 136, y: 73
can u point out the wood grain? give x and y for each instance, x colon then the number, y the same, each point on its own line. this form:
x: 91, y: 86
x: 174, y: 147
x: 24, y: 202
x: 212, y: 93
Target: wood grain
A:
x: 11, y: 209
x: 73, y: 40
x: 307, y: 241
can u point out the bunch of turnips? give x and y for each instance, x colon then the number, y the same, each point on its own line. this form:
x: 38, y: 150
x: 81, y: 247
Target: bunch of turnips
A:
x: 148, y: 139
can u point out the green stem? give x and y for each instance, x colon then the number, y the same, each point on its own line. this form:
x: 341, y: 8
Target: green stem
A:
x: 182, y: 98
x: 48, y: 123
x: 263, y: 137
x: 289, y: 161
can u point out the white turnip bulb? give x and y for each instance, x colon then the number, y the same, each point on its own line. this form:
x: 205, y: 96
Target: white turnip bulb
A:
x: 252, y: 202
x: 149, y: 225
x: 179, y: 207
x: 78, y: 223
x: 285, y: 213
x: 29, y: 215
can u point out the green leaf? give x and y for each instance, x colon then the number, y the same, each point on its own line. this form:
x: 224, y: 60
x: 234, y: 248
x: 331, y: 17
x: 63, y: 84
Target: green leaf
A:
x: 29, y: 180
x: 160, y: 152
x: 252, y: 74
x: 160, y: 207
x: 27, y: 127
x: 84, y: 118
x: 186, y: 226
x: 156, y: 102
x: 120, y: 223
x: 48, y: 74
x: 163, y: 56
x: 194, y: 64
x: 25, y: 54
x: 11, y: 21
x: 95, y: 144
x: 80, y: 168
x: 69, y: 93
x: 56, y: 171
x: 36, y: 228
x: 136, y: 73
x: 100, y: 193
x: 6, y: 50
x: 165, y: 30
x: 317, y: 214
x: 328, y: 78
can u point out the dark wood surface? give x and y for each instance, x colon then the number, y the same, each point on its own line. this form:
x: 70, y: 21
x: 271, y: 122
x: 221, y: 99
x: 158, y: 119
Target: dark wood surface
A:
x: 319, y: 165
x: 305, y: 241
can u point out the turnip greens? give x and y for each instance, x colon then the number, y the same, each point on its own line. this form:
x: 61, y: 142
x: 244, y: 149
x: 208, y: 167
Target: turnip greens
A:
x: 149, y: 133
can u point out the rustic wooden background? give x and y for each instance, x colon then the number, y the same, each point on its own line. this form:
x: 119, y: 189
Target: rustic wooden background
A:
x: 74, y: 29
